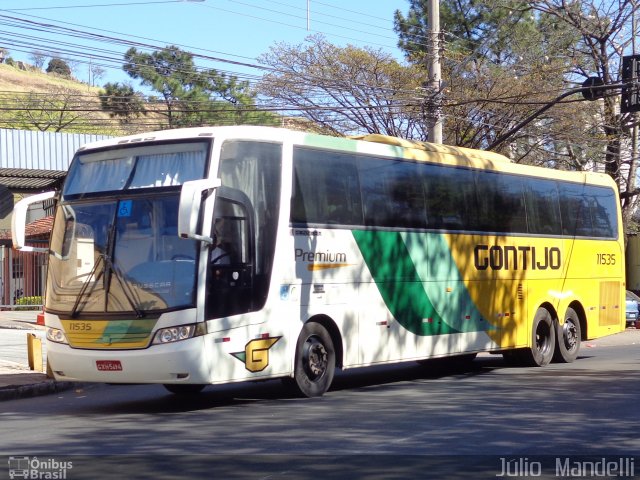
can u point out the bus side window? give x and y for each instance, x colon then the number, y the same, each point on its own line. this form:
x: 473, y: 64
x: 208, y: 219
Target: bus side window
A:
x: 543, y: 207
x: 451, y: 198
x: 336, y: 208
x: 375, y: 197
x: 298, y: 209
x: 326, y: 188
x: 603, y: 210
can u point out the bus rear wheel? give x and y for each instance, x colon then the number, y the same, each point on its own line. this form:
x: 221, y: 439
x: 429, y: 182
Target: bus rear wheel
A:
x: 543, y: 340
x: 315, y: 361
x: 568, y: 337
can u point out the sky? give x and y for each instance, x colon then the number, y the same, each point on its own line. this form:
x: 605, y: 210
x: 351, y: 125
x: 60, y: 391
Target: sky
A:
x: 232, y: 34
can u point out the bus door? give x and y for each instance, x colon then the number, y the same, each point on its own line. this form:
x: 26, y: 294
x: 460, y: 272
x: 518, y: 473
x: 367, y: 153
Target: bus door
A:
x: 230, y: 266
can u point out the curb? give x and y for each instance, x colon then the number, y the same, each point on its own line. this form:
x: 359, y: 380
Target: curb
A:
x: 13, y: 392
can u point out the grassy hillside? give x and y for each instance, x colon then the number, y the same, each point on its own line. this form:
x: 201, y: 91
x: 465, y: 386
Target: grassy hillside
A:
x: 13, y: 79
x: 34, y: 100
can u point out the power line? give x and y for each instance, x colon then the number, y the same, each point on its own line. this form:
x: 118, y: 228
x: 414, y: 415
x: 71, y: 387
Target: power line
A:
x: 93, y: 5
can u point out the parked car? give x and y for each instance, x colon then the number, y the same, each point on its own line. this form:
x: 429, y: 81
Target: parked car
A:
x: 633, y: 309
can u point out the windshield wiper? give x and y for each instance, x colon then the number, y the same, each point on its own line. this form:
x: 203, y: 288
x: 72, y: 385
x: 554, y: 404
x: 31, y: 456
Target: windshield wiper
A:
x: 111, y: 267
x: 126, y: 288
x: 83, y: 290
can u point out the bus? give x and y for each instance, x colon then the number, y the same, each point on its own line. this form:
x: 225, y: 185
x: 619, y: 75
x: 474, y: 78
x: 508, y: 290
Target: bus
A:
x: 202, y: 256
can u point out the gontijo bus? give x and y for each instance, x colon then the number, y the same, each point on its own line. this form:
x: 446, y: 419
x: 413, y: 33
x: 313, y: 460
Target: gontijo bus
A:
x: 330, y: 253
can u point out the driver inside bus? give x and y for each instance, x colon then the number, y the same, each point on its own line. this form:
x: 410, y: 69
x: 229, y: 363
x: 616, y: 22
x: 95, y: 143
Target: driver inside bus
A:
x: 220, y: 251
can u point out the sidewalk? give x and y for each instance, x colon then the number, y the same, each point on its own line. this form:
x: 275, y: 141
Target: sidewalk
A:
x: 18, y: 381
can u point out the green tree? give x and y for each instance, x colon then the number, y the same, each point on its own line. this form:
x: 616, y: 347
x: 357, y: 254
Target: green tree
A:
x: 191, y: 96
x: 59, y: 67
x: 123, y: 102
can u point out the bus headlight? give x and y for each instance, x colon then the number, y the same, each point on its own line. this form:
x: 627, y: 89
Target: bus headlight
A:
x: 176, y: 334
x: 56, y: 335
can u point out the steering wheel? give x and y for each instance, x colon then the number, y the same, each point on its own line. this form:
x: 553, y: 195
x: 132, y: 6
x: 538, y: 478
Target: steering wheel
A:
x: 219, y: 257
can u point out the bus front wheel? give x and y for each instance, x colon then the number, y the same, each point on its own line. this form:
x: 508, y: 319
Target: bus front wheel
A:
x: 568, y: 337
x: 543, y: 340
x: 315, y: 361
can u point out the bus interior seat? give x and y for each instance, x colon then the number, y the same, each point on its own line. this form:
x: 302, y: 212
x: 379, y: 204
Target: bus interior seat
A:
x: 134, y: 246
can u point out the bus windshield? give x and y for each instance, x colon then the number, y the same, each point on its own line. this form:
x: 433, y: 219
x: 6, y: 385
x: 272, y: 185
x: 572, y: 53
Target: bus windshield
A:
x: 136, y: 167
x: 121, y: 255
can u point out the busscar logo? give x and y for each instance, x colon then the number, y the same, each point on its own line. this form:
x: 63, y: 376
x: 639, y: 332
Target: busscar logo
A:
x: 50, y: 468
x: 256, y: 353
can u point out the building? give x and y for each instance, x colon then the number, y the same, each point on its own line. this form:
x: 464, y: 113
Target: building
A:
x: 30, y: 162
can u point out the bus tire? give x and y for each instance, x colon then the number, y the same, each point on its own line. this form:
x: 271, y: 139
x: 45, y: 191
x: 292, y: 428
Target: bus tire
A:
x: 543, y: 340
x: 184, y: 388
x: 315, y: 361
x: 568, y: 338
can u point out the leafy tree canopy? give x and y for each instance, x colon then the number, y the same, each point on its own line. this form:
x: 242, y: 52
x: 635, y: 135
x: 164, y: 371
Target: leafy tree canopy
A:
x: 59, y: 67
x: 189, y: 96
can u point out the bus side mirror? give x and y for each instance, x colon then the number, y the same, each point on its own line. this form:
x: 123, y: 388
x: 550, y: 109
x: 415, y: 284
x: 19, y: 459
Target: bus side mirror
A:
x: 19, y: 221
x: 190, y: 205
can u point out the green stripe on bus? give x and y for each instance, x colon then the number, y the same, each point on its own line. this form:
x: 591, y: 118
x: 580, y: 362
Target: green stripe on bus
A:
x: 442, y: 281
x: 388, y: 260
x: 420, y: 282
x: 127, y: 331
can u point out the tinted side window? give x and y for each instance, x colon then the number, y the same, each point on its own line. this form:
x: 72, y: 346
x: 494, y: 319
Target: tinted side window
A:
x: 588, y: 211
x: 391, y: 193
x: 450, y: 198
x: 543, y: 209
x: 373, y: 181
x: 604, y: 212
x: 326, y: 188
x: 576, y: 210
x: 501, y: 203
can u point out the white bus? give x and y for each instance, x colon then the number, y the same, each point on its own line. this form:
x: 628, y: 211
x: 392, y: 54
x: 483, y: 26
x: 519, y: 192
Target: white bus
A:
x: 226, y: 254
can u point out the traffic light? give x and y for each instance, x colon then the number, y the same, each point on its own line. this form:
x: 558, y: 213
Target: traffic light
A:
x: 592, y: 83
x: 630, y: 100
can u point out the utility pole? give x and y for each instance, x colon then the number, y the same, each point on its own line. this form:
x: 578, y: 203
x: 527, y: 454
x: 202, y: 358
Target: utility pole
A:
x: 634, y: 130
x: 434, y: 113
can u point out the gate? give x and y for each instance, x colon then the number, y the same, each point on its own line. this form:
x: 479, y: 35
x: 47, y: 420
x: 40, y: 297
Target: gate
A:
x: 22, y: 279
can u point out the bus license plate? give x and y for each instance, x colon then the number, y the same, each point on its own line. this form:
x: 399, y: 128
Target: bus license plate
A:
x: 109, y: 365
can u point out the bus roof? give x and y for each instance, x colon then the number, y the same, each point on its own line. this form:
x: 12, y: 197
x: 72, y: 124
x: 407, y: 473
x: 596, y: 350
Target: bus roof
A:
x: 431, y: 147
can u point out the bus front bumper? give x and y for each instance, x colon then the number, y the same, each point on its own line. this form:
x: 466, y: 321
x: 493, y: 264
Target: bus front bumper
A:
x: 179, y: 362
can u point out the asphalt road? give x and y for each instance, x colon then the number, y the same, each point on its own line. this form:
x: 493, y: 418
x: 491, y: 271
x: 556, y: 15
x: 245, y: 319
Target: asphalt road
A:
x: 407, y: 418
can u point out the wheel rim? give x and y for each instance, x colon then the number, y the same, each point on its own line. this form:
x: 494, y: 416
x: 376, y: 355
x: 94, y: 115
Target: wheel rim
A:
x: 543, y: 337
x: 570, y: 335
x: 315, y: 358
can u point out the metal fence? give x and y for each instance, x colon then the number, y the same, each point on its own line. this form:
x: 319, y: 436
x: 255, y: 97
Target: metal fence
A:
x: 22, y: 279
